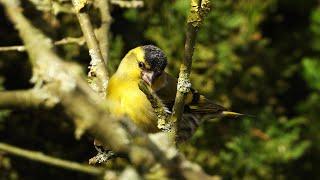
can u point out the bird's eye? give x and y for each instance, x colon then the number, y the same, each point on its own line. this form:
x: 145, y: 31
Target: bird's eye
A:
x: 141, y: 65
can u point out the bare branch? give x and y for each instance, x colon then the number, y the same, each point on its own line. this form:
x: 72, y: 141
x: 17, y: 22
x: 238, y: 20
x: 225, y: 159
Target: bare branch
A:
x: 40, y: 157
x: 71, y: 40
x: 68, y: 40
x: 19, y: 48
x: 197, y: 11
x: 128, y: 4
x: 65, y: 81
x: 98, y: 75
x: 103, y: 33
x: 158, y: 106
x: 76, y: 97
x: 22, y: 99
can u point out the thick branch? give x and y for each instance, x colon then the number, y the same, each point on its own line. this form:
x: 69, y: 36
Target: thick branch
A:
x: 40, y: 157
x: 145, y: 141
x: 98, y: 75
x: 23, y: 99
x: 65, y: 82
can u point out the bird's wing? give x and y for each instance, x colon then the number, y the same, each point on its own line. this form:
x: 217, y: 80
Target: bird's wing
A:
x: 166, y: 88
x: 197, y: 107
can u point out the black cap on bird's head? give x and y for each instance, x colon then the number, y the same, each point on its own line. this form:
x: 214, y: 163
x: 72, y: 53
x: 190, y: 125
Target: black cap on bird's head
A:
x: 156, y: 61
x: 155, y: 57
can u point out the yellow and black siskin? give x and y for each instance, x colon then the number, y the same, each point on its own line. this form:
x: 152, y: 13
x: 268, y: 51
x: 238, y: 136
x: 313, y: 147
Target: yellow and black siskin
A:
x: 147, y: 63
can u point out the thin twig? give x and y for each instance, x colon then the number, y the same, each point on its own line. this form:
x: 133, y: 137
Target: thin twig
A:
x: 40, y: 157
x: 71, y: 40
x: 68, y: 40
x: 19, y: 48
x: 128, y: 4
x: 103, y: 32
x: 197, y: 11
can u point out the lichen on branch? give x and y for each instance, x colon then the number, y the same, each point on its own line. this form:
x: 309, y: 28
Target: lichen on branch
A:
x: 159, y: 108
x: 198, y: 10
x: 98, y: 75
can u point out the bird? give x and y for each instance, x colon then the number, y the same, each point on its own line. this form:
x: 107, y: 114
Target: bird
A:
x: 148, y: 63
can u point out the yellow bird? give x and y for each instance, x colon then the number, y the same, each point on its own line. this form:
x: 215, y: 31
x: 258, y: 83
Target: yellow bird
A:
x: 147, y: 63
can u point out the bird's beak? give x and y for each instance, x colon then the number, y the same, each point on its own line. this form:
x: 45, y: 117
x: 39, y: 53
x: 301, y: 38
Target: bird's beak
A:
x: 148, y: 77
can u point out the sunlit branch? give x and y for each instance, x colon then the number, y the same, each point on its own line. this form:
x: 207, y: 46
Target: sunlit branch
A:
x: 98, y: 75
x: 103, y: 32
x: 128, y: 4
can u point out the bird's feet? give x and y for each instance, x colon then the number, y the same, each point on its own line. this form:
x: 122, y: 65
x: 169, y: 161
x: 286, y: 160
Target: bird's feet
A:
x: 102, y: 157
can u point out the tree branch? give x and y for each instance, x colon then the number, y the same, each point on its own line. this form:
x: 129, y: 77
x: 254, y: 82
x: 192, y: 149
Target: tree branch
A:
x: 158, y: 106
x: 197, y: 12
x: 64, y: 80
x: 128, y: 4
x: 103, y: 33
x: 68, y: 40
x: 23, y: 99
x: 98, y: 75
x: 87, y: 109
x: 40, y: 157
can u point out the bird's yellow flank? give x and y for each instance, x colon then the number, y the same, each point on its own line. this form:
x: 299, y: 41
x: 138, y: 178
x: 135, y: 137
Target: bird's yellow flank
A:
x: 148, y: 63
x: 124, y: 93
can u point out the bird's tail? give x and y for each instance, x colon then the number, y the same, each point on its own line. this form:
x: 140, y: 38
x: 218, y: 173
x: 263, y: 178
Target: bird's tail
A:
x: 231, y: 114
x: 234, y: 114
x: 201, y: 105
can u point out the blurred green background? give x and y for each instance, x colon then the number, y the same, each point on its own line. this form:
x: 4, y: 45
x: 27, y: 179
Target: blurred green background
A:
x: 259, y: 57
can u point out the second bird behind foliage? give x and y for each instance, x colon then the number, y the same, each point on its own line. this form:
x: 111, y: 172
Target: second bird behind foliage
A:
x: 148, y: 63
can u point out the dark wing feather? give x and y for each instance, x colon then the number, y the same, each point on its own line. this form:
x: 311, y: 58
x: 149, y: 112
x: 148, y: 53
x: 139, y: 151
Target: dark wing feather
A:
x: 196, y: 105
x: 201, y: 105
x: 166, y: 90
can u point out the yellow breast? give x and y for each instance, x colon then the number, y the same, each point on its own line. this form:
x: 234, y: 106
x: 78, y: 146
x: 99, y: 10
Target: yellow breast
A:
x: 127, y: 99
